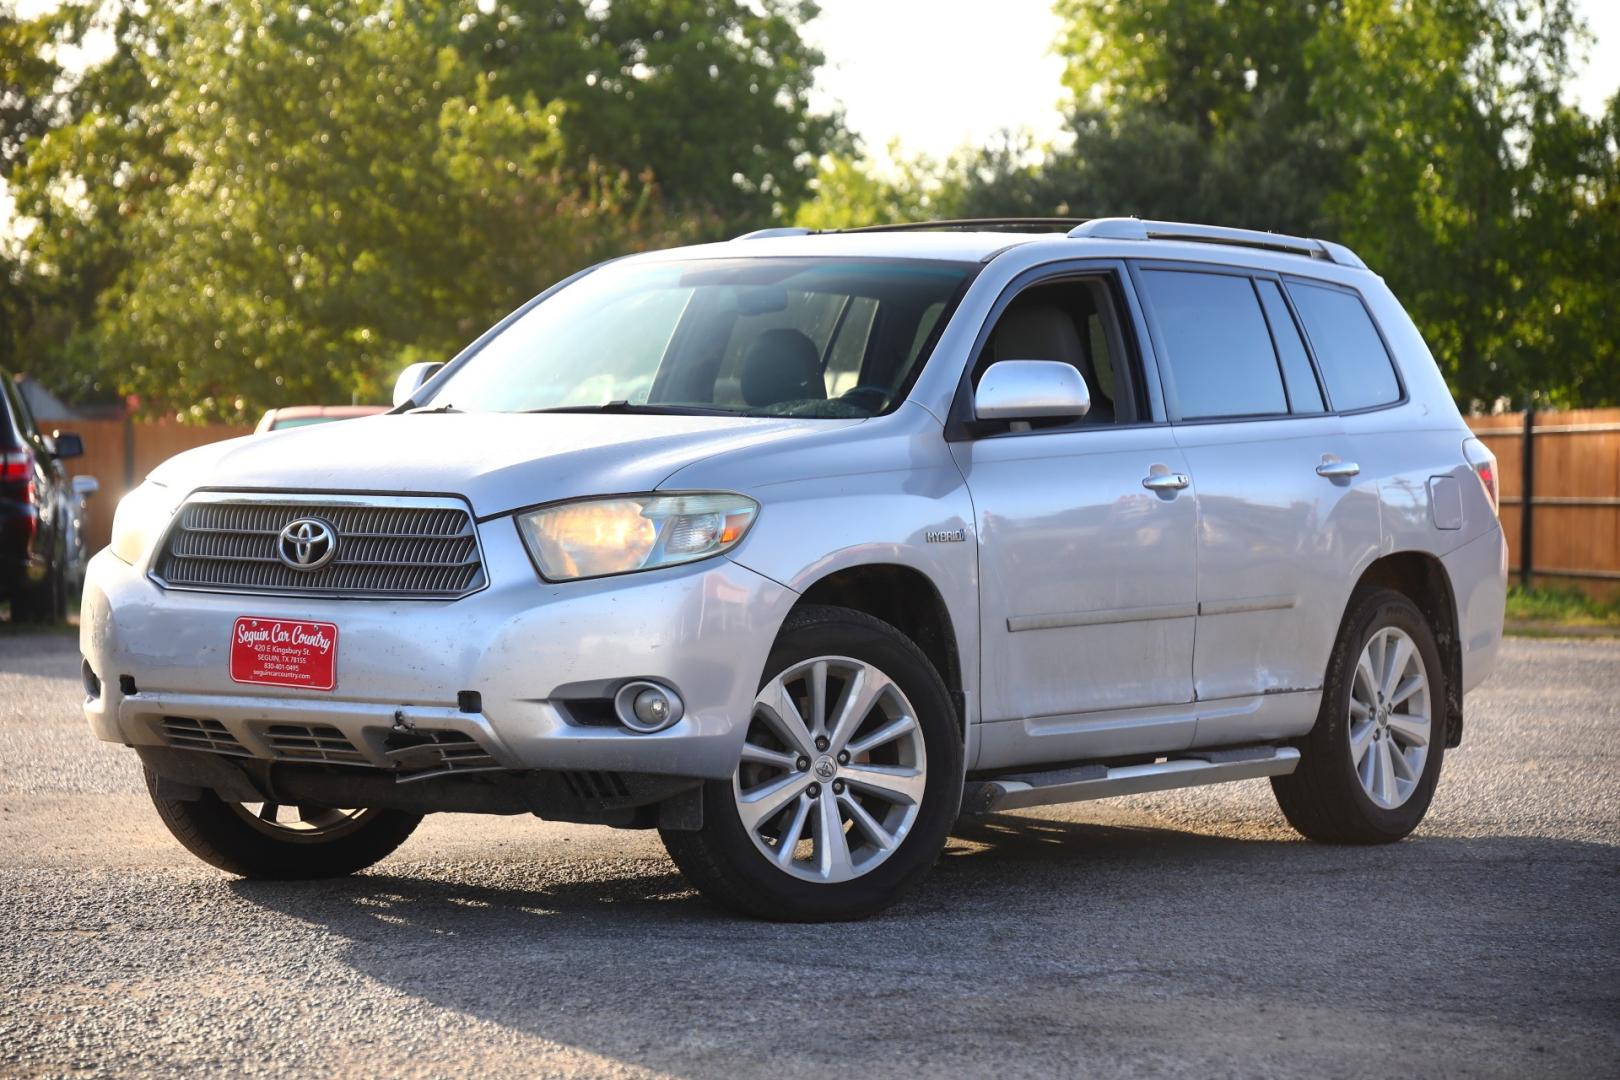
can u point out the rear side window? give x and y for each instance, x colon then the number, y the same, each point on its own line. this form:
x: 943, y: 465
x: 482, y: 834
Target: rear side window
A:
x: 1354, y: 363
x: 1219, y: 348
x: 1303, y: 393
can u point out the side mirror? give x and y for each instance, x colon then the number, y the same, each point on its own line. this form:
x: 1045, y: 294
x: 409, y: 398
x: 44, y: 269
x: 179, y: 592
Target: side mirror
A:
x: 85, y: 486
x: 1031, y: 390
x: 411, y: 379
x: 67, y: 445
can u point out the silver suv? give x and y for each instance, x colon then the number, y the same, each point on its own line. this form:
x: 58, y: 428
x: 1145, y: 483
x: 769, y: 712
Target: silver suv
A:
x: 798, y: 547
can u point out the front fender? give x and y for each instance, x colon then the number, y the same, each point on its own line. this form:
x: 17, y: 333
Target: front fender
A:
x: 886, y: 493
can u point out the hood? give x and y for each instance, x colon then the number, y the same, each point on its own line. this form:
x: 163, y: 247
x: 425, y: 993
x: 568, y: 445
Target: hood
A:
x: 498, y: 461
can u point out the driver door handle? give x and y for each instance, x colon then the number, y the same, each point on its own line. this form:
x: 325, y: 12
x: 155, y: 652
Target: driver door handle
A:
x: 1338, y: 470
x: 1169, y: 481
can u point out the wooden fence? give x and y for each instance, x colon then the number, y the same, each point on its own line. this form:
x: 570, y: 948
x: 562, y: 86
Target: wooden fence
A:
x: 1567, y: 519
x: 119, y: 454
x: 1560, y: 484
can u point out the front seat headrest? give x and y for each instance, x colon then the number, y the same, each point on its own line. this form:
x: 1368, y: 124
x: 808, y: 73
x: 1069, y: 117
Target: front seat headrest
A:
x: 782, y: 365
x: 1038, y: 332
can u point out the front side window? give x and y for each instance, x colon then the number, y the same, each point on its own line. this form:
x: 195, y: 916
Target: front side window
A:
x: 1217, y: 344
x: 832, y: 338
x: 1073, y: 321
x: 1355, y: 365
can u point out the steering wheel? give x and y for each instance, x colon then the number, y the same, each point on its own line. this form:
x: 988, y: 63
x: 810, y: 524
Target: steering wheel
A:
x: 872, y: 398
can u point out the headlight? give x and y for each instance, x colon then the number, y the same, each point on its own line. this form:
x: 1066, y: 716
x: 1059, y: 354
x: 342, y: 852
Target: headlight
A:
x: 141, y: 516
x: 595, y: 537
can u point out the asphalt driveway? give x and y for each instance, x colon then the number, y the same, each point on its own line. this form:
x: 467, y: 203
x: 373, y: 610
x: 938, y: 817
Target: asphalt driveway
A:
x: 1187, y: 933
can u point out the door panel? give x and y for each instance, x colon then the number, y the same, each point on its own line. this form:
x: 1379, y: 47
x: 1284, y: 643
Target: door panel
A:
x: 1087, y: 579
x: 1278, y: 548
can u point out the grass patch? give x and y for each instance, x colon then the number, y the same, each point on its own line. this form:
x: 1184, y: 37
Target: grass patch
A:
x: 1560, y: 607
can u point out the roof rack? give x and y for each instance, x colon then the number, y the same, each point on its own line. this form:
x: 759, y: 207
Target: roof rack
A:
x: 1113, y: 228
x: 991, y: 224
x: 988, y: 224
x: 767, y: 234
x: 1129, y: 228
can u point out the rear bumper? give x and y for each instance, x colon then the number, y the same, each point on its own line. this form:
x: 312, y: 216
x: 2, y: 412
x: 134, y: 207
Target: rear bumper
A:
x: 1478, y: 572
x: 526, y: 647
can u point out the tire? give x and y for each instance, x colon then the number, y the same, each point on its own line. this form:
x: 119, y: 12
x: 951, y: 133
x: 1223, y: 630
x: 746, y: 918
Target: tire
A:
x: 729, y: 863
x: 222, y: 834
x: 1326, y: 798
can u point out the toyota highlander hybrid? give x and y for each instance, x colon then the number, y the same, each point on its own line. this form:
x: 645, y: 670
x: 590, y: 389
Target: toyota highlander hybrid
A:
x: 799, y: 547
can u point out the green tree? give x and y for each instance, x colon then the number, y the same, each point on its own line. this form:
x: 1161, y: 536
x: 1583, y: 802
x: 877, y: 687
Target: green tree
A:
x: 1433, y: 136
x: 351, y: 190
x: 81, y: 178
x: 849, y: 191
x: 710, y: 96
x: 251, y: 203
x: 1192, y: 110
x: 1478, y: 191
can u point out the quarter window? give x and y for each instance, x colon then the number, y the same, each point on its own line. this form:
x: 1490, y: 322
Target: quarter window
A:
x: 1355, y: 365
x: 1303, y: 393
x: 1218, y: 347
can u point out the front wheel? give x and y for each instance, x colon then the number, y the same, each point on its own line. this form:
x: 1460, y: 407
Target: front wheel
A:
x: 1368, y: 769
x: 273, y: 841
x: 847, y: 784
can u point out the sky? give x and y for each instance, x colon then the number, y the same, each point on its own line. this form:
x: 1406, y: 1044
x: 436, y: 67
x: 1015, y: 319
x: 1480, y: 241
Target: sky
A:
x: 937, y: 75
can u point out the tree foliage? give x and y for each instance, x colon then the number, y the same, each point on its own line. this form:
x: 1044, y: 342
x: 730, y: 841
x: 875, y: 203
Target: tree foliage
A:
x: 1477, y: 189
x: 251, y: 203
x: 1433, y: 136
x: 255, y: 202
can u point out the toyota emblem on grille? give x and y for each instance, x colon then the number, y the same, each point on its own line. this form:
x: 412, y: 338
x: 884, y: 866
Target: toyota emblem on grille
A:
x: 307, y: 544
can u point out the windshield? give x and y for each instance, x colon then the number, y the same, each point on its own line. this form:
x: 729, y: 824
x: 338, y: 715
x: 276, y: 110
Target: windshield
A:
x: 834, y: 338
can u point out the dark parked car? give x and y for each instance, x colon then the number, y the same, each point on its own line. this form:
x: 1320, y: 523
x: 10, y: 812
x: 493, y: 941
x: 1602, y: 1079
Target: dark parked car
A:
x: 36, y: 507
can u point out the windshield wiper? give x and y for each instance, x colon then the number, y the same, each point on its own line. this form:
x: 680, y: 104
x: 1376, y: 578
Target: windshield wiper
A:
x: 423, y: 410
x: 627, y: 407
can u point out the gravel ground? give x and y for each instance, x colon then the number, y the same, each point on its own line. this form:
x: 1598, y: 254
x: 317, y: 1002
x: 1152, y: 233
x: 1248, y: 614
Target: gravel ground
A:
x: 1188, y: 934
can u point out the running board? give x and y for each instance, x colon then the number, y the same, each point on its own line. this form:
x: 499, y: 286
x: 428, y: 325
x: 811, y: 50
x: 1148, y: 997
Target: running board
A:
x: 1190, y: 769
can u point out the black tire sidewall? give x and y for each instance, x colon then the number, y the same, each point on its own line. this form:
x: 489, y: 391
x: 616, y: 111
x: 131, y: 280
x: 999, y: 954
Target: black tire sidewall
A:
x: 215, y: 833
x: 777, y: 894
x: 1381, y: 609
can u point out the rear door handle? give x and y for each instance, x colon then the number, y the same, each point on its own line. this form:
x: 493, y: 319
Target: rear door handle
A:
x: 1169, y: 481
x: 1338, y: 470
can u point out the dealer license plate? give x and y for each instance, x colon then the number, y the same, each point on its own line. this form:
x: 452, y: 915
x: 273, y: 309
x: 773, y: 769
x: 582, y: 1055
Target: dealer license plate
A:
x: 284, y: 652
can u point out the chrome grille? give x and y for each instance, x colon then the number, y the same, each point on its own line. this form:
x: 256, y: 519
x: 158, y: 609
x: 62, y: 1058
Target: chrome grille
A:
x: 188, y: 734
x: 396, y: 548
x: 312, y: 742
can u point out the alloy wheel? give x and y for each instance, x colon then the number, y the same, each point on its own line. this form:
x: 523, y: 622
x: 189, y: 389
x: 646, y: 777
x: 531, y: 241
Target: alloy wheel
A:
x: 300, y: 824
x: 1390, y: 717
x: 833, y: 770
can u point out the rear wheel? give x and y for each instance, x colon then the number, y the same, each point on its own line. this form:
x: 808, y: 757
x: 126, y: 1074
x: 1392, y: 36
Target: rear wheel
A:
x: 274, y: 841
x: 847, y: 784
x: 43, y: 602
x: 1369, y: 767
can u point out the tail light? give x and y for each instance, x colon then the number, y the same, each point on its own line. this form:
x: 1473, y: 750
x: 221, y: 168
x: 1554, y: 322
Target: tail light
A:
x: 17, y: 470
x: 16, y: 466
x: 1483, y: 463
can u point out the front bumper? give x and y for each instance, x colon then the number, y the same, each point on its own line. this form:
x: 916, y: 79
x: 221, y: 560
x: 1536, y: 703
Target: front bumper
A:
x: 527, y: 648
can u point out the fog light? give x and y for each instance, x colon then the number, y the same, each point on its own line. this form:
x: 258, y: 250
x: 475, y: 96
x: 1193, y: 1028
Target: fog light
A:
x: 92, y: 682
x: 647, y: 707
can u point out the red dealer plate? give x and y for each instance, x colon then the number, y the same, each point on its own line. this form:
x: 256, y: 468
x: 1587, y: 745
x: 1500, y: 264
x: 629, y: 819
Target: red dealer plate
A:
x: 284, y: 652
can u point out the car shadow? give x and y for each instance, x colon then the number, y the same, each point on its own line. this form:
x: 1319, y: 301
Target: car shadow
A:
x: 1028, y: 928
